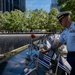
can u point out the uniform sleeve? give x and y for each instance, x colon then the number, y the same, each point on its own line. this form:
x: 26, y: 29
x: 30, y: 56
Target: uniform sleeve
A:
x: 61, y: 39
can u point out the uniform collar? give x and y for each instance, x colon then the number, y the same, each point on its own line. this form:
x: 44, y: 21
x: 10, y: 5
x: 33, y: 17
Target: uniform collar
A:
x: 72, y: 24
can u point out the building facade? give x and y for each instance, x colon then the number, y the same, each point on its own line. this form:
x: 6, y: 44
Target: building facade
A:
x: 9, y: 5
x: 1, y: 5
x: 54, y: 3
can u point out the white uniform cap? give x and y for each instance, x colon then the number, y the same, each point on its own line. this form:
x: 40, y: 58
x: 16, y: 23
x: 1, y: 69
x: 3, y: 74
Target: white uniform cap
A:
x: 63, y: 14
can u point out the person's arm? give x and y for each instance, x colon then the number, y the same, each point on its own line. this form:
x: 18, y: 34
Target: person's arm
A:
x: 56, y: 46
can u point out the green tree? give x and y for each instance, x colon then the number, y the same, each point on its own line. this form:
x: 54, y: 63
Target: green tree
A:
x: 29, y: 20
x: 43, y: 19
x: 17, y: 20
x: 6, y: 20
x: 37, y: 19
x: 1, y: 21
x: 53, y: 24
x: 68, y: 5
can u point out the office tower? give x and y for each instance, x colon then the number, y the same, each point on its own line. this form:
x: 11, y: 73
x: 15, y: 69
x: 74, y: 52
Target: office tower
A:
x: 54, y: 3
x: 19, y: 4
x: 1, y: 5
x: 9, y: 5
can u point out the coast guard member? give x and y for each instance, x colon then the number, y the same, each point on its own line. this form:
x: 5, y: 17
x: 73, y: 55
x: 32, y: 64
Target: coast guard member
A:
x: 68, y: 37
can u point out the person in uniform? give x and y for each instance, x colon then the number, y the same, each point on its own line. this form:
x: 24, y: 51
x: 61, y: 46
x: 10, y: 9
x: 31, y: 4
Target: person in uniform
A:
x: 68, y: 36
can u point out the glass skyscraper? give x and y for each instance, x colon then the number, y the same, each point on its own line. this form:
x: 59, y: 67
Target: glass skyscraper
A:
x: 9, y: 5
x: 1, y: 5
x: 54, y: 4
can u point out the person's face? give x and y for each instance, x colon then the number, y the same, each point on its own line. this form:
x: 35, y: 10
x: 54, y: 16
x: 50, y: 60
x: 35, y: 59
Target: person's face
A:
x: 63, y: 21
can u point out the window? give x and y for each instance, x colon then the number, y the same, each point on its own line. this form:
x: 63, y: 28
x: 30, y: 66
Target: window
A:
x: 1, y: 5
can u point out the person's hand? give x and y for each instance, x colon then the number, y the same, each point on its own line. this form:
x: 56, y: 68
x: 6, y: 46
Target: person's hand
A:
x: 44, y: 51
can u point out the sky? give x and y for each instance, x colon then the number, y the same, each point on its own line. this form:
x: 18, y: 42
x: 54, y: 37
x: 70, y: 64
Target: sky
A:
x: 38, y: 4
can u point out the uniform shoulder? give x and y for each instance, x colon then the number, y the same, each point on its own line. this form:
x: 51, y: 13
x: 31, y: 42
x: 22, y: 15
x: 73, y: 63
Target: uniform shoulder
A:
x: 64, y: 31
x: 72, y: 28
x: 74, y: 23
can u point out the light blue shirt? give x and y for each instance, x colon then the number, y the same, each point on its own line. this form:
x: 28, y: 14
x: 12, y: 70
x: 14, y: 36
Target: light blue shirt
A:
x: 68, y: 37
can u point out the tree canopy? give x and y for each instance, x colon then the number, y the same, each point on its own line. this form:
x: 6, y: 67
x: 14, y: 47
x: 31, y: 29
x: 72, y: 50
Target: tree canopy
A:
x: 30, y: 20
x: 67, y: 5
